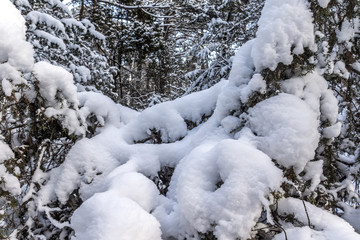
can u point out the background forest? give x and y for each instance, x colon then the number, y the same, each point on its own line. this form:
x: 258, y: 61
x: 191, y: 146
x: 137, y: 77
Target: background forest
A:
x: 181, y: 119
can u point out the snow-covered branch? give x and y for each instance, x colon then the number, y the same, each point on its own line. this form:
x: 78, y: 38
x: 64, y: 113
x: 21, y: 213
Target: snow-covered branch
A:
x: 134, y: 7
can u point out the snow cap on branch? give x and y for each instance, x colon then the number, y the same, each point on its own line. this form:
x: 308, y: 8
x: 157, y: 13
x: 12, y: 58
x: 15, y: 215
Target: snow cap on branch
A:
x: 285, y: 28
x: 13, y: 47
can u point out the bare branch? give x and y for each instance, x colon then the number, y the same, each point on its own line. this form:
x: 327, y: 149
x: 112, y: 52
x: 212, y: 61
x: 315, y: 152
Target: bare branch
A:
x: 154, y: 15
x: 307, y: 214
x: 134, y: 7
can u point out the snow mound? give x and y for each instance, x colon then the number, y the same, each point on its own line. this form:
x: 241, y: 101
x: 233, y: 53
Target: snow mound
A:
x: 15, y: 53
x: 313, y: 89
x: 286, y: 129
x: 13, y: 47
x: 107, y: 216
x: 352, y: 216
x: 170, y: 117
x: 222, y: 187
x: 324, y: 225
x: 283, y: 25
x: 224, y: 180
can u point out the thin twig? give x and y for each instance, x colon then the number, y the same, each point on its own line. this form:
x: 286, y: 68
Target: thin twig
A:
x: 307, y: 214
x: 154, y: 15
x: 134, y: 7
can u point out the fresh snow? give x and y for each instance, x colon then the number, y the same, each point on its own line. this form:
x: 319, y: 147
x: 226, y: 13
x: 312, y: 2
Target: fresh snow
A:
x: 324, y: 225
x: 54, y: 83
x: 9, y: 182
x: 124, y: 206
x: 222, y: 182
x: 50, y: 38
x: 286, y: 130
x: 15, y: 55
x: 226, y: 167
x: 38, y: 17
x: 237, y: 203
x: 283, y: 24
x: 14, y: 50
x: 323, y: 3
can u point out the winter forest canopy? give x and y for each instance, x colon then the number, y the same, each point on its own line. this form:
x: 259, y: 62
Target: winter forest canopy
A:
x: 181, y: 119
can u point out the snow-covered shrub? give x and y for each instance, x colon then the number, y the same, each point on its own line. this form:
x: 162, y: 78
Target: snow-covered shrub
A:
x: 246, y: 153
x: 244, y: 159
x: 229, y: 24
x: 40, y: 120
x: 60, y: 39
x: 338, y: 37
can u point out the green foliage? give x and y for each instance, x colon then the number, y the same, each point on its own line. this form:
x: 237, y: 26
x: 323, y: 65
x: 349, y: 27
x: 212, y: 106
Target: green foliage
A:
x: 39, y: 144
x: 229, y: 24
x: 69, y: 43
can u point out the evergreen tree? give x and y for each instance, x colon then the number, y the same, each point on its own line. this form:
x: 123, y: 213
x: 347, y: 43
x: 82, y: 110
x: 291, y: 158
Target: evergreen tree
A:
x: 135, y: 46
x: 338, y: 27
x: 227, y: 26
x: 75, y: 45
x: 270, y: 153
x: 40, y: 121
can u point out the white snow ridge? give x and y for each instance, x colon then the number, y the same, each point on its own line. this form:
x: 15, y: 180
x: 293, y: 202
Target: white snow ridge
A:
x: 229, y: 158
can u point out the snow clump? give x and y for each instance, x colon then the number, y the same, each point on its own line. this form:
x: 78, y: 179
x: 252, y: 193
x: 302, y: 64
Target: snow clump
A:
x: 225, y: 177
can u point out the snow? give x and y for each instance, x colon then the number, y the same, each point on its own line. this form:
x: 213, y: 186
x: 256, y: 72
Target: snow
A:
x: 38, y: 17
x: 248, y: 175
x: 314, y: 172
x: 91, y: 29
x: 106, y: 111
x: 226, y: 161
x: 256, y: 84
x: 356, y: 66
x: 332, y: 131
x: 56, y: 83
x: 101, y: 106
x: 14, y: 50
x: 50, y: 38
x: 5, y: 152
x: 325, y: 225
x: 128, y: 208
x: 22, y: 3
x: 313, y: 89
x: 85, y: 160
x: 109, y: 216
x: 9, y: 73
x: 341, y: 70
x: 286, y: 130
x: 53, y: 79
x: 7, y: 87
x: 8, y: 182
x: 61, y: 5
x: 243, y: 60
x: 101, y: 154
x: 230, y: 123
x: 15, y: 56
x: 124, y: 185
x: 121, y: 164
x: 347, y: 30
x: 352, y: 216
x: 323, y: 3
x: 169, y: 118
x: 70, y: 22
x: 82, y: 73
x: 283, y: 24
